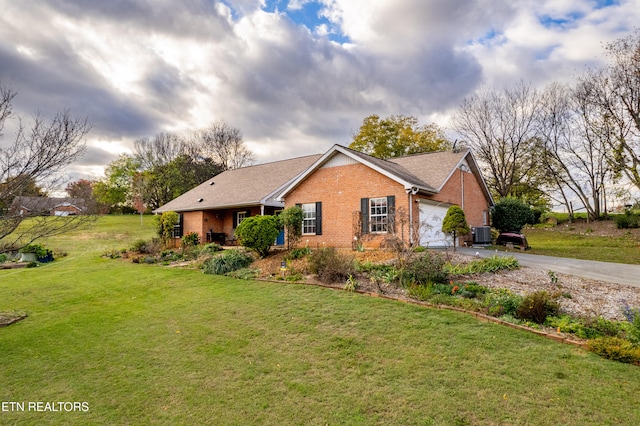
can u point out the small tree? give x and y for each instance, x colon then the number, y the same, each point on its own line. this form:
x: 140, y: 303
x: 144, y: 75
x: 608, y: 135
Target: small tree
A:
x: 511, y: 215
x: 455, y: 223
x: 291, y: 220
x: 165, y: 224
x: 258, y: 233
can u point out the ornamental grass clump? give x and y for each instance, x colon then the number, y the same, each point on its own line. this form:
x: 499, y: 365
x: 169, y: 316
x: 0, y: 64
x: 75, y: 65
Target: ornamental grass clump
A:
x: 227, y: 261
x: 491, y: 264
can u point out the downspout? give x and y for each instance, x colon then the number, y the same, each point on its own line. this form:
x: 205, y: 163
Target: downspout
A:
x: 462, y: 186
x: 410, y: 218
x: 411, y: 191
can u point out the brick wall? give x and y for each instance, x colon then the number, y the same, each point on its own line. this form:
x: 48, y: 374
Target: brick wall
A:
x: 341, y: 188
x: 475, y: 205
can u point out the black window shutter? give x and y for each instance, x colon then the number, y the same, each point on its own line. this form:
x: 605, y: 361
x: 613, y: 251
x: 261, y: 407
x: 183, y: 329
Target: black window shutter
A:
x: 391, y: 214
x: 364, y: 212
x: 319, y: 218
x: 235, y: 220
x: 298, y: 205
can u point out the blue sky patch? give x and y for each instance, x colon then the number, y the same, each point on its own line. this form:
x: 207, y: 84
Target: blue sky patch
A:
x: 560, y: 21
x: 308, y: 15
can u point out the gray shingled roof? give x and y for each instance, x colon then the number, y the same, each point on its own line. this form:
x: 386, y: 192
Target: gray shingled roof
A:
x: 433, y: 168
x: 396, y: 169
x: 246, y: 186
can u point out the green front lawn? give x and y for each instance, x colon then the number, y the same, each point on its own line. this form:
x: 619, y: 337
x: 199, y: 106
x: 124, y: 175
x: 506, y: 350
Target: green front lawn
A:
x: 146, y: 344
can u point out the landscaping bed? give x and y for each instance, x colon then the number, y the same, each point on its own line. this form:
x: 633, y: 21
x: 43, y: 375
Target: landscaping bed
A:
x: 582, y: 296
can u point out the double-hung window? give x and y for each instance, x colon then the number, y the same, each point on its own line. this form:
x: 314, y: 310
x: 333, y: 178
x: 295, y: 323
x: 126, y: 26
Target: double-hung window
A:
x: 311, y: 218
x: 240, y: 217
x: 378, y: 214
x: 308, y: 218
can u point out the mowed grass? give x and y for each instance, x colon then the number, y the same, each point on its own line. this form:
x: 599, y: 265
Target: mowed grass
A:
x: 144, y: 344
x: 619, y: 249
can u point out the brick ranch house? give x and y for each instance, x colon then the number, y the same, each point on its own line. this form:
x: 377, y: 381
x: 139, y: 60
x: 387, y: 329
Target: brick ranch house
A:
x: 348, y: 198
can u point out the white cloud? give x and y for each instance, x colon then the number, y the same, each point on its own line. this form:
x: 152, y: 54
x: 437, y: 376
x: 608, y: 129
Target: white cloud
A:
x: 138, y: 68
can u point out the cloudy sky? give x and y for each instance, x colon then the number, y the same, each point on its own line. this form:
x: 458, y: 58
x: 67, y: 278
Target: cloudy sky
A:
x: 295, y: 76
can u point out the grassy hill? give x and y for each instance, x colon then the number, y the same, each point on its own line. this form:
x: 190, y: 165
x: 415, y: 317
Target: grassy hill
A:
x: 146, y: 344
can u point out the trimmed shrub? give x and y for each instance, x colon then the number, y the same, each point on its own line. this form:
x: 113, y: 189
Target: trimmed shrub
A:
x: 424, y: 269
x: 258, y: 233
x: 537, y: 306
x: 227, y: 261
x: 331, y: 266
x: 511, y: 215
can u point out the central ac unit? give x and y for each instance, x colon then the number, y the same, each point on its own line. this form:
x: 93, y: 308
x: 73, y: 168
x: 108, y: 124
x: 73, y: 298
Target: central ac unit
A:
x: 481, y: 235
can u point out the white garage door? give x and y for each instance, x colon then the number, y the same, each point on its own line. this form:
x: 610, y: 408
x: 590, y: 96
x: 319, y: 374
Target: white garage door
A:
x: 431, y: 217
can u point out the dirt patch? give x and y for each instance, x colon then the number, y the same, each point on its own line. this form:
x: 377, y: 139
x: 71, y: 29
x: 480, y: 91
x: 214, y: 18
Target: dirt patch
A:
x: 8, y: 318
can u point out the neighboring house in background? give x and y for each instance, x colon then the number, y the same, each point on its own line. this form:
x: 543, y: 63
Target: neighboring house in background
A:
x: 47, y: 206
x: 348, y: 197
x: 214, y: 208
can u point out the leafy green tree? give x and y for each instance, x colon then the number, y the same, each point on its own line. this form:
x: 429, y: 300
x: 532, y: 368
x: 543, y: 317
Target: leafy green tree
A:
x: 291, y: 220
x: 164, y: 182
x: 165, y: 224
x: 511, y: 215
x: 455, y: 223
x: 258, y: 233
x: 116, y: 189
x: 397, y: 136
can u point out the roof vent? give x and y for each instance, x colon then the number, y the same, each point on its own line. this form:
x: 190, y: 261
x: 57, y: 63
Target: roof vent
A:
x: 200, y: 200
x: 211, y: 183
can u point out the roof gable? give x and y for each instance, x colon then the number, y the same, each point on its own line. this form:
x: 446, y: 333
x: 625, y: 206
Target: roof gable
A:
x: 390, y: 169
x: 426, y: 173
